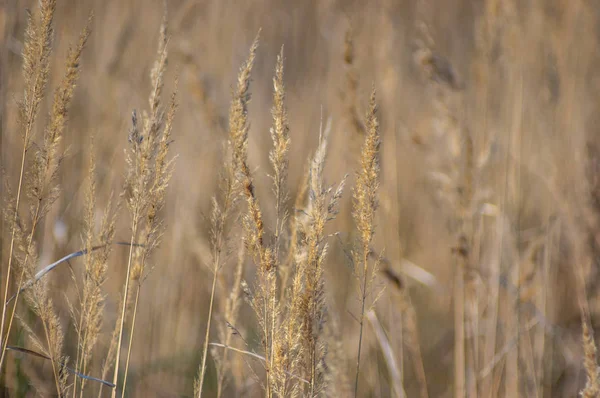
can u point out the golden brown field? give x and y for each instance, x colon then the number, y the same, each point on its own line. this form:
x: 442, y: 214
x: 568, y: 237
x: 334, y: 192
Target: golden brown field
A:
x: 300, y: 199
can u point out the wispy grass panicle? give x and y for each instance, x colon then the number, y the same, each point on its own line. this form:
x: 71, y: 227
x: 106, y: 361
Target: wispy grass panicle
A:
x: 43, y: 189
x: 365, y: 204
x: 36, y: 67
x: 41, y: 186
x: 230, y: 188
x: 62, y: 99
x: 284, y: 356
x: 160, y: 66
x: 36, y: 63
x: 264, y: 300
x: 287, y: 351
x: 279, y: 154
x: 308, y: 309
x: 238, y: 111
x: 367, y: 179
x: 153, y: 229
x: 162, y: 170
x: 91, y: 312
x: 148, y: 175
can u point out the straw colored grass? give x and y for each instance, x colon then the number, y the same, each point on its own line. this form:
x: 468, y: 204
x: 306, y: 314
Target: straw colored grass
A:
x: 312, y: 239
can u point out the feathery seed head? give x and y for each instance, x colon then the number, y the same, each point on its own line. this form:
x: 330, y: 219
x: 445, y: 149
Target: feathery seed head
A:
x: 367, y: 179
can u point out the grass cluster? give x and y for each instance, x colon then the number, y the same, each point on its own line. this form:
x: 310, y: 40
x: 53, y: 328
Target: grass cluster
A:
x: 401, y: 202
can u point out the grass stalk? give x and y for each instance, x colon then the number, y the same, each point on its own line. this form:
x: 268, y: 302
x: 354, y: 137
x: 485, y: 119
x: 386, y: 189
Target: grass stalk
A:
x: 365, y: 204
x: 207, y: 335
x: 135, y: 307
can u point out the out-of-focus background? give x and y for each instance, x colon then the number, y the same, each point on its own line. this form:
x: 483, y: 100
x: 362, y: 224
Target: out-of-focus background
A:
x: 520, y: 79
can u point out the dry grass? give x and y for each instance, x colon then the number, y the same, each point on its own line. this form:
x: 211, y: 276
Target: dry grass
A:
x: 444, y: 245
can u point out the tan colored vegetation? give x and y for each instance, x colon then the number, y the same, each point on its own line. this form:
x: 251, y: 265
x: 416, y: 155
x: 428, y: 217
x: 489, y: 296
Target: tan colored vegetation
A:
x: 370, y: 199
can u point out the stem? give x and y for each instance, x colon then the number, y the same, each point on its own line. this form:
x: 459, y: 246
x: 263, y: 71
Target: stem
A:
x: 135, y: 306
x: 52, y: 358
x: 255, y: 355
x: 273, y: 309
x: 205, y: 348
x: 77, y: 361
x: 362, y: 318
x: 82, y: 361
x: 313, y: 351
x: 10, y: 257
x: 116, y: 373
x: 268, y: 361
x: 5, y: 304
